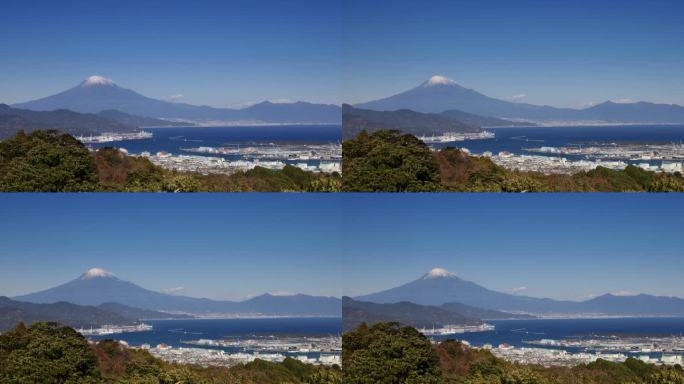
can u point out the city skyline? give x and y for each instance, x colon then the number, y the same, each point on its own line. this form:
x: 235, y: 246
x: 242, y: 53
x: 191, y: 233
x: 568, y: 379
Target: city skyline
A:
x: 565, y: 54
x: 575, y: 248
x: 222, y: 54
x: 220, y: 247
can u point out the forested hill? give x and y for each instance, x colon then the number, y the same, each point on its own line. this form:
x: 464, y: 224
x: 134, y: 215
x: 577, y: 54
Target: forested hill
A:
x: 422, y: 316
x: 355, y: 120
x: 12, y: 312
x: 13, y: 120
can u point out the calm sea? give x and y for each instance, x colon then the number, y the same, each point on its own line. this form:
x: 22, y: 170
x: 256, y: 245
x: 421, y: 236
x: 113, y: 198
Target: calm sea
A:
x: 516, y: 332
x: 173, y: 139
x: 173, y: 332
x: 517, y: 140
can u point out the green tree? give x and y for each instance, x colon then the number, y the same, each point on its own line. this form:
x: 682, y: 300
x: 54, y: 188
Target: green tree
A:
x: 46, y: 353
x: 668, y: 376
x: 325, y: 377
x: 46, y: 161
x: 388, y: 353
x: 388, y: 161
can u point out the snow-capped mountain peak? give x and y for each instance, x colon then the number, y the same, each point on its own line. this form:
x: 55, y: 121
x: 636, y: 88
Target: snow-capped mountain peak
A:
x: 96, y: 80
x: 439, y: 80
x: 96, y: 272
x: 436, y: 273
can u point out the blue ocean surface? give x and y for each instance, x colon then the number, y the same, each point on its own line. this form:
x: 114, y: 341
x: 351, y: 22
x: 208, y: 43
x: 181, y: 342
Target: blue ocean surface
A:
x: 516, y: 332
x: 171, y: 140
x: 174, y: 332
x: 517, y: 140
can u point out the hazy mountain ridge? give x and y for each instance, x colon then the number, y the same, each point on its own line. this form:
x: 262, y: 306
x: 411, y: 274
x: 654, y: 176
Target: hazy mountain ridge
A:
x: 439, y: 96
x: 97, y: 94
x: 355, y: 312
x: 12, y: 120
x: 483, y: 121
x: 481, y: 313
x: 139, y: 313
x: 438, y: 290
x: 95, y: 289
x: 12, y: 312
x: 355, y: 120
x: 139, y: 121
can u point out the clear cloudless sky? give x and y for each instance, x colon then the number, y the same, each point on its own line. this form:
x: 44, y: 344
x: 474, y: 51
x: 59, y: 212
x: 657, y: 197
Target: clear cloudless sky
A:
x: 213, y: 52
x: 223, y: 246
x: 555, y: 52
x: 565, y: 246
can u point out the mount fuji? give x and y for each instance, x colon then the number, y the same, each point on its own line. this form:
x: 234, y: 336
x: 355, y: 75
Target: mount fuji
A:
x: 97, y: 286
x: 97, y: 93
x: 439, y: 287
x: 439, y: 94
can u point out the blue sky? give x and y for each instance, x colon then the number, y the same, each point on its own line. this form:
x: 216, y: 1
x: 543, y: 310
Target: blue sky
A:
x: 556, y: 52
x: 221, y: 246
x: 213, y: 52
x: 567, y: 246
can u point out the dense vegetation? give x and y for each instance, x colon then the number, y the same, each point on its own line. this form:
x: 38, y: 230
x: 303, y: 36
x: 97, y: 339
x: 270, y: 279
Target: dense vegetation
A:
x: 388, y: 353
x: 390, y: 161
x: 48, y: 161
x: 48, y: 353
x: 391, y: 354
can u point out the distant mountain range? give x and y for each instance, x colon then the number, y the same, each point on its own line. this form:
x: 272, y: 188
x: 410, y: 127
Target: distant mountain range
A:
x: 139, y: 121
x: 12, y: 312
x: 439, y: 94
x: 438, y: 287
x: 13, y: 120
x: 97, y: 286
x: 141, y: 314
x: 483, y: 121
x: 97, y: 94
x: 355, y: 120
x: 481, y: 313
x: 355, y: 312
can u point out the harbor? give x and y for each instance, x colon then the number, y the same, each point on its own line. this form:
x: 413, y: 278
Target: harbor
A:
x: 572, y: 149
x: 228, y: 353
x: 573, y: 341
x: 457, y: 136
x: 114, y: 329
x: 114, y: 137
x: 228, y: 342
x: 219, y: 165
x: 456, y: 329
x: 228, y: 150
